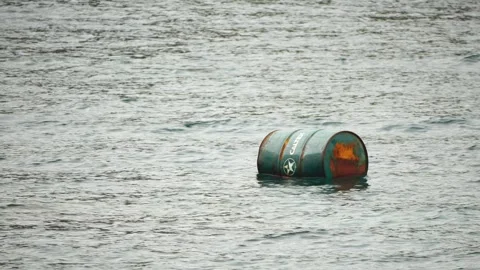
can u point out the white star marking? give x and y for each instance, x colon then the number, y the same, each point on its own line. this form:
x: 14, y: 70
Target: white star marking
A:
x: 289, y: 167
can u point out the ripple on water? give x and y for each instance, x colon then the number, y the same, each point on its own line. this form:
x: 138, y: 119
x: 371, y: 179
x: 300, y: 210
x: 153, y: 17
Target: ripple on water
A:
x: 474, y: 58
x: 130, y: 130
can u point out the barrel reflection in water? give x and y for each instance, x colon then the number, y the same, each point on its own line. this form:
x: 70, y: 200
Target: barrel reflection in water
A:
x: 330, y: 184
x: 313, y: 153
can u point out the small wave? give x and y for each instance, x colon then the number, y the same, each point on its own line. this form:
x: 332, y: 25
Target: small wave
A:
x: 205, y: 123
x: 11, y: 205
x: 278, y: 236
x: 94, y: 3
x: 283, y: 235
x: 393, y: 17
x: 473, y: 147
x: 332, y: 123
x: 416, y: 128
x: 64, y: 225
x: 15, y: 205
x: 391, y: 127
x: 138, y: 56
x: 128, y: 99
x: 22, y: 227
x: 172, y: 129
x: 474, y: 58
x: 446, y: 121
x: 54, y: 160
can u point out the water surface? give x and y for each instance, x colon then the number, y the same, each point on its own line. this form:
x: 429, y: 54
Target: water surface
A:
x: 129, y: 133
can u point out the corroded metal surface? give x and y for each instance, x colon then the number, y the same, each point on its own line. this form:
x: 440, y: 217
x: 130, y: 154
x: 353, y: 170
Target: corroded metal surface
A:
x: 312, y: 153
x: 345, y: 155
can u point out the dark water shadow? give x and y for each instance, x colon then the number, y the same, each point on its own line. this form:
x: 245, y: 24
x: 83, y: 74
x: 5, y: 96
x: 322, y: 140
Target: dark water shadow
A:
x: 333, y: 185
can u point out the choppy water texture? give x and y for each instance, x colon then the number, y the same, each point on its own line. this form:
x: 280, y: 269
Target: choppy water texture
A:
x: 129, y: 133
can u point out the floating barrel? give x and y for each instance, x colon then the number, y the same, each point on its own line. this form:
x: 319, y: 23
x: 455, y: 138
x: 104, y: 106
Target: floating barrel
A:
x: 312, y: 153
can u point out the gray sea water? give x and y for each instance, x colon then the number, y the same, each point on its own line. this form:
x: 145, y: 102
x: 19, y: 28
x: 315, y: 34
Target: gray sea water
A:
x: 129, y: 133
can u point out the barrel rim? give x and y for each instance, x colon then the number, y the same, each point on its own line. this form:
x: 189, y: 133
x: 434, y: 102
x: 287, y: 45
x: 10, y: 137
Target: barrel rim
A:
x: 261, y: 145
x: 328, y: 142
x: 302, y: 155
x: 282, y: 152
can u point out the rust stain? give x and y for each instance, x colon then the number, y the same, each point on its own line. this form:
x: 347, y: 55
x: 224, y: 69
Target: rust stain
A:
x: 299, y: 166
x: 262, y: 146
x: 275, y: 164
x: 283, y: 148
x: 341, y: 168
x: 345, y: 151
x: 345, y: 162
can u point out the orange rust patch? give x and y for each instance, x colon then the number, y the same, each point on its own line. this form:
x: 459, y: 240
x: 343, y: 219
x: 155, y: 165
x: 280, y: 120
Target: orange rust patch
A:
x: 283, y: 148
x: 260, y: 149
x: 345, y: 151
x: 341, y: 168
x: 262, y: 145
x: 345, y: 162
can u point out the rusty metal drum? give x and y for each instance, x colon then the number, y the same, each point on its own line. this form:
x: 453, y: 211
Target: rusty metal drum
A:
x: 312, y: 153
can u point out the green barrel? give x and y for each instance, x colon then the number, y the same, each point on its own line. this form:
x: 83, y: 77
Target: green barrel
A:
x: 312, y: 153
